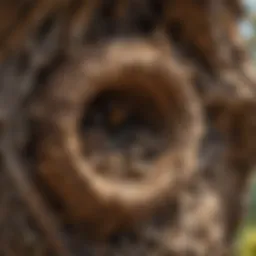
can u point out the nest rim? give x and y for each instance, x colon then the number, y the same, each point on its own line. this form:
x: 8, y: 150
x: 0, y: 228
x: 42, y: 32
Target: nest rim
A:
x: 136, y: 63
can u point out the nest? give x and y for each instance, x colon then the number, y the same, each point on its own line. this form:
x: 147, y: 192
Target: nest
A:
x: 67, y: 164
x: 122, y: 145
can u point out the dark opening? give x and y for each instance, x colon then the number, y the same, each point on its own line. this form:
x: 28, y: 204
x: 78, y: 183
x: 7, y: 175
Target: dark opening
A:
x: 122, y: 129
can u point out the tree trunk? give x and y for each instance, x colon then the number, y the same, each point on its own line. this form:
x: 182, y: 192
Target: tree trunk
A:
x: 127, y: 127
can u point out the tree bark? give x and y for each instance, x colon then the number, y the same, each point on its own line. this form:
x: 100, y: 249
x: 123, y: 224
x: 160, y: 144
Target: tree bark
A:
x: 82, y: 83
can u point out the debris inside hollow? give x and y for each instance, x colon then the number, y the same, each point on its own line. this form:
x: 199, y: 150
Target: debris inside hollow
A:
x: 120, y: 139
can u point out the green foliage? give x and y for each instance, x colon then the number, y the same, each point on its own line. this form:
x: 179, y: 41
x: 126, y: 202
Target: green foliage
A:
x: 251, y: 218
x: 247, y: 242
x: 246, y: 245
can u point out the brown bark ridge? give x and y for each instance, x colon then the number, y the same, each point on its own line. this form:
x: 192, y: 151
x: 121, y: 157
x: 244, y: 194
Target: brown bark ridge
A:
x: 127, y: 127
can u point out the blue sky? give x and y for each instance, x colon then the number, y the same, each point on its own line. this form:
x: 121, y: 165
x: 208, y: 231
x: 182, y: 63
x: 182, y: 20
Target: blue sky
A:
x: 251, y: 3
x: 246, y: 28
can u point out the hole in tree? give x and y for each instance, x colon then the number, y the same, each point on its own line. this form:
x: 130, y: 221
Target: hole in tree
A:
x: 123, y: 132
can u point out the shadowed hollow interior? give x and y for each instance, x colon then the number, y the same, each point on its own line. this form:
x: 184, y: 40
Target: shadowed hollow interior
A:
x: 124, y: 130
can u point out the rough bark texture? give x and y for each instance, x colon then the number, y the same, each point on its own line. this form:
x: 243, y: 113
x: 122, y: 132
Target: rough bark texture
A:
x: 81, y: 82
